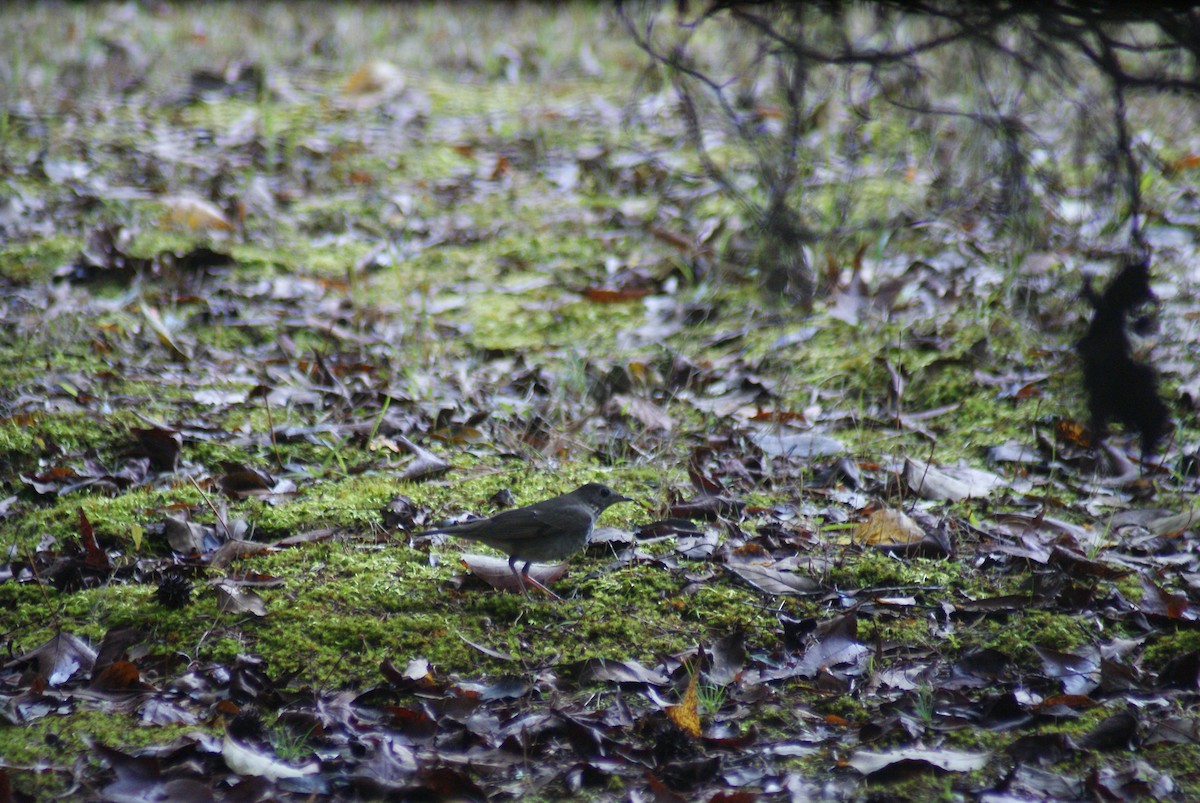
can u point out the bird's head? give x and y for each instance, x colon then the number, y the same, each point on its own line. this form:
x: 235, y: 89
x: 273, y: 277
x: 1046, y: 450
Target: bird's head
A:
x: 599, y: 496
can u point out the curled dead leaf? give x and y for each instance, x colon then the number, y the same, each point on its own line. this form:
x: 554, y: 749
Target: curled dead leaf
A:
x: 246, y: 760
x: 498, y: 574
x: 868, y: 762
x: 194, y: 214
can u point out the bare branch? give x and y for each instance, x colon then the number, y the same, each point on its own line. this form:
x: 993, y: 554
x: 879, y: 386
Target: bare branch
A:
x: 1023, y: 57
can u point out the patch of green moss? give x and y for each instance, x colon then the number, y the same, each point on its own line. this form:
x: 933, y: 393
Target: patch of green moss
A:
x: 355, y: 611
x: 36, y: 260
x: 908, y: 631
x: 516, y: 250
x: 44, y: 744
x: 848, y: 708
x: 1017, y: 634
x: 872, y: 569
x: 113, y: 517
x: 1163, y: 648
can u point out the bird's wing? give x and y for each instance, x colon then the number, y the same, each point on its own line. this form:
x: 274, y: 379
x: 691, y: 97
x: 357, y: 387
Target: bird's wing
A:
x: 536, y: 522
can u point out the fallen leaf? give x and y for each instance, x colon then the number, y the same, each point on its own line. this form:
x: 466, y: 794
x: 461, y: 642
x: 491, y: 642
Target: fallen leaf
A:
x: 232, y: 599
x: 95, y: 557
x: 499, y: 575
x: 425, y: 463
x: 644, y: 411
x: 869, y: 763
x: 161, y: 444
x: 60, y: 658
x: 374, y: 77
x: 247, y: 761
x: 603, y: 670
x: 602, y: 295
x: 773, y: 581
x: 949, y: 483
x: 194, y: 214
x: 889, y: 527
x: 798, y: 445
x: 686, y: 715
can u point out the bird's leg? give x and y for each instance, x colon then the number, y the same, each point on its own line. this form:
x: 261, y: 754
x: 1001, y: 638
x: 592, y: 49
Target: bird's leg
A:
x: 524, y: 575
x: 512, y: 564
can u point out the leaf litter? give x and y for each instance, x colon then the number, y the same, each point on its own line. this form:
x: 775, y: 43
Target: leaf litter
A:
x: 856, y: 669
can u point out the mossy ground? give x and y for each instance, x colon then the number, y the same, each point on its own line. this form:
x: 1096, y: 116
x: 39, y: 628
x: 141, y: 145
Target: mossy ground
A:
x: 520, y: 248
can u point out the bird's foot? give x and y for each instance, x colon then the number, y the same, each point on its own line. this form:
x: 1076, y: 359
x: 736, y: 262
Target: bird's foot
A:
x: 522, y: 577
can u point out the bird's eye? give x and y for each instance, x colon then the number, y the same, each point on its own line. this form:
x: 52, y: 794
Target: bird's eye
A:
x: 606, y: 492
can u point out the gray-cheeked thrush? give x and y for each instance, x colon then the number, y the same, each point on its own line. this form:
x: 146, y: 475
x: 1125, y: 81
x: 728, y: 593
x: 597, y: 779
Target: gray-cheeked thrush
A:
x: 550, y: 530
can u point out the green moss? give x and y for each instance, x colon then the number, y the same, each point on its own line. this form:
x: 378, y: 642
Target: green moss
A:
x: 478, y: 266
x: 848, y: 708
x: 37, y: 260
x: 46, y: 741
x: 874, y: 569
x: 352, y: 611
x: 1163, y: 648
x: 1016, y: 635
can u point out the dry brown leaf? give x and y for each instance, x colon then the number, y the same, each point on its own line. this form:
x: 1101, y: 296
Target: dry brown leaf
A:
x: 231, y: 599
x: 868, y: 762
x: 234, y: 549
x: 601, y: 295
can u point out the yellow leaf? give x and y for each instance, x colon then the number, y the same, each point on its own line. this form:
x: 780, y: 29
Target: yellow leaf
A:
x: 195, y: 214
x: 372, y: 77
x: 686, y: 715
x: 889, y: 528
x: 159, y: 328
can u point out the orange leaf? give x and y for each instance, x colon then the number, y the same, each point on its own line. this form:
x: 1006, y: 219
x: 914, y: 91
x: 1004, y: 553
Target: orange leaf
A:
x: 1185, y: 162
x: 679, y: 241
x: 1029, y: 391
x: 603, y: 296
x: 503, y: 166
x: 94, y: 556
x: 1073, y: 432
x: 779, y: 416
x: 118, y: 676
x: 889, y: 527
x: 1068, y: 700
x: 374, y: 76
x: 751, y: 552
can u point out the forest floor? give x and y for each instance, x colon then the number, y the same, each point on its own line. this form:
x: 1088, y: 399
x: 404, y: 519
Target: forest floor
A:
x: 281, y: 287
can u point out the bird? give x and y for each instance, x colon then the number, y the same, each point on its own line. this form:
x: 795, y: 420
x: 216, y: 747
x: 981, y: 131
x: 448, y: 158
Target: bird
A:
x: 553, y: 529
